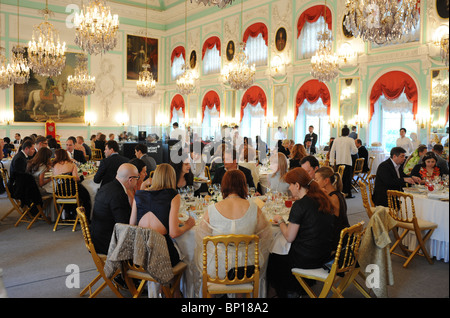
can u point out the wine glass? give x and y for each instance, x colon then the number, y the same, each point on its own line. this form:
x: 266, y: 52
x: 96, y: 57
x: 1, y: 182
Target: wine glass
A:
x: 251, y: 191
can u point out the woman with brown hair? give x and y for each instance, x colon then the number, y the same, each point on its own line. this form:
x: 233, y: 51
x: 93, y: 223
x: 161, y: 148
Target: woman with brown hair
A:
x: 297, y: 154
x: 310, y: 232
x: 276, y: 180
x: 38, y: 166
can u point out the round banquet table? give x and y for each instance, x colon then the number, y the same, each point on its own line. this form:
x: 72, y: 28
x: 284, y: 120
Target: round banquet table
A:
x: 379, y: 158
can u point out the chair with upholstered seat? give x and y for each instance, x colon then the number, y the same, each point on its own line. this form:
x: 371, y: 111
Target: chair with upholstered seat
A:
x: 401, y: 208
x: 343, y: 270
x: 246, y: 280
x: 365, y: 198
x: 357, y: 171
x: 371, y: 184
x: 365, y: 175
x: 14, y: 202
x: 96, y: 154
x: 65, y: 192
x: 99, y: 261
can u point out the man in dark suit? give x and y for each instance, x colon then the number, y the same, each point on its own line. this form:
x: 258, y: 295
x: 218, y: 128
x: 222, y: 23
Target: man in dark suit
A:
x: 313, y: 137
x: 108, y: 167
x: 140, y: 152
x: 390, y: 176
x: 229, y: 159
x: 112, y: 206
x: 74, y: 154
x: 20, y: 160
x: 363, y: 153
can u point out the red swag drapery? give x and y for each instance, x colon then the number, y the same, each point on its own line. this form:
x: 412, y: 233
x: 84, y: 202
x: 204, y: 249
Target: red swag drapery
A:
x: 177, y: 52
x: 213, y: 41
x: 253, y: 96
x: 392, y: 85
x: 177, y: 103
x: 312, y: 90
x: 211, y: 98
x: 312, y: 15
x: 254, y: 30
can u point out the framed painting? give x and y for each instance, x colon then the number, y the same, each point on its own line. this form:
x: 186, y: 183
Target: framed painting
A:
x: 48, y: 98
x: 136, y: 56
x: 280, y: 39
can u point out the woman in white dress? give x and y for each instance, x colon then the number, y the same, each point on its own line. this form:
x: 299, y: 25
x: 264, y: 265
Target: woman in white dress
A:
x: 233, y: 215
x: 276, y: 180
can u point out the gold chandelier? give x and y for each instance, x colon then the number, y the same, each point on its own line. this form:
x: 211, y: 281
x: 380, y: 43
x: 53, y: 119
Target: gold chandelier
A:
x: 19, y: 64
x: 46, y: 55
x: 145, y: 86
x: 95, y: 28
x: 444, y: 49
x: 220, y: 3
x: 81, y: 84
x: 381, y: 21
x: 238, y: 74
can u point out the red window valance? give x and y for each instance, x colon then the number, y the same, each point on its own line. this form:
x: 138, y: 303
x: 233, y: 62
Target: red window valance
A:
x: 254, y: 30
x: 312, y: 15
x: 392, y: 85
x: 312, y: 90
x: 177, y: 52
x: 213, y: 41
x: 253, y: 96
x: 211, y: 98
x: 177, y: 103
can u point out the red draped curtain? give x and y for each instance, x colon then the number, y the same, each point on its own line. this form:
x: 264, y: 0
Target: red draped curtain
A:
x: 211, y: 98
x: 177, y: 52
x: 177, y: 103
x: 213, y: 41
x: 312, y: 15
x: 254, y: 30
x: 392, y: 85
x: 253, y: 96
x: 312, y: 90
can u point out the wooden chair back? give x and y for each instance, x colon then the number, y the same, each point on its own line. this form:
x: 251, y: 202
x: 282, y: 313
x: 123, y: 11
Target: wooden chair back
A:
x: 65, y: 191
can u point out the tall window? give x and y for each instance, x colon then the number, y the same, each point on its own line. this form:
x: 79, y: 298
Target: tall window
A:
x: 314, y: 114
x: 253, y: 122
x: 311, y: 22
x: 178, y: 60
x: 256, y: 44
x: 211, y: 56
x: 210, y: 124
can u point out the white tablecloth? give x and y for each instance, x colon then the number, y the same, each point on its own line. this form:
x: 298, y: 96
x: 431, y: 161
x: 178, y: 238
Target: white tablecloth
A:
x: 379, y: 158
x: 435, y: 211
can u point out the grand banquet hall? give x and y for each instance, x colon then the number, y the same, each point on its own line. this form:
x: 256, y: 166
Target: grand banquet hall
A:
x: 264, y: 77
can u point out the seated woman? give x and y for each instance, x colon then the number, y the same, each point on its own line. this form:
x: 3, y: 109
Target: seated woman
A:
x: 310, y: 232
x: 297, y: 154
x: 414, y: 159
x: 140, y: 184
x: 63, y: 165
x: 198, y: 163
x: 233, y: 215
x: 284, y: 147
x: 276, y: 180
x: 427, y: 170
x: 330, y: 182
x: 158, y: 207
x: 183, y: 173
x: 38, y: 166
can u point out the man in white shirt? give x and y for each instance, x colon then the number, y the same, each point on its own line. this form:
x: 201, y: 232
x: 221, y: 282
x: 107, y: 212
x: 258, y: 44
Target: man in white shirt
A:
x: 405, y: 142
x: 177, y: 133
x: 341, y: 153
x: 279, y: 136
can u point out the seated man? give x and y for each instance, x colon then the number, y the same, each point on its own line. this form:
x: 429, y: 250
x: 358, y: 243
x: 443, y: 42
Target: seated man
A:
x: 390, y: 176
x: 74, y: 154
x: 310, y: 164
x: 229, y: 158
x: 108, y: 166
x: 363, y: 153
x: 442, y: 164
x: 141, y: 153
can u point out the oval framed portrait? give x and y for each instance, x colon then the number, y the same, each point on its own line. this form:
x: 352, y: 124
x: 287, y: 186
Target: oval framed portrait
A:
x: 230, y: 50
x: 442, y: 7
x: 193, y: 59
x: 348, y: 34
x: 280, y: 39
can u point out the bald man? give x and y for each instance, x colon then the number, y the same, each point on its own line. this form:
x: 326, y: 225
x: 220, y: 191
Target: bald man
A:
x: 112, y: 205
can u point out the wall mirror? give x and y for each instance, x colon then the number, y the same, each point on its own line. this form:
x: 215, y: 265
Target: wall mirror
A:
x: 348, y: 101
x: 439, y: 104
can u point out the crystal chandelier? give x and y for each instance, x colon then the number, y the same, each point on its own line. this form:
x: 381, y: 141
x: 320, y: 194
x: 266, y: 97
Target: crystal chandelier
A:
x: 238, y: 74
x: 220, y: 3
x: 381, y: 21
x: 19, y: 63
x: 46, y: 56
x: 95, y: 28
x: 6, y: 79
x: 81, y: 84
x: 439, y: 96
x: 444, y: 49
x: 145, y: 86
x: 324, y: 63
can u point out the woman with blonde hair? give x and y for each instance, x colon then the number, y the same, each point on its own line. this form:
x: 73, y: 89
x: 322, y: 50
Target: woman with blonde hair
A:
x: 276, y: 180
x: 297, y: 154
x: 158, y: 207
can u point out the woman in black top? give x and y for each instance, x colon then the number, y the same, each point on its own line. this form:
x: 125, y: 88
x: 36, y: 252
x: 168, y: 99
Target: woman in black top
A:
x: 310, y: 232
x: 331, y: 184
x: 157, y: 208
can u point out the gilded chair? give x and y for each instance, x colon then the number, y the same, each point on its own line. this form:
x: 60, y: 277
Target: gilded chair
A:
x: 366, y: 174
x: 14, y: 202
x: 208, y: 174
x: 99, y: 261
x: 370, y: 210
x: 65, y: 192
x: 246, y: 280
x: 340, y: 170
x: 343, y: 270
x: 401, y: 208
x: 371, y: 183
x: 96, y: 154
x: 359, y: 165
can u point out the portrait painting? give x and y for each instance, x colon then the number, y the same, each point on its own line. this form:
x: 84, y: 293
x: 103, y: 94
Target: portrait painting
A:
x: 44, y: 98
x: 230, y: 51
x: 193, y: 59
x: 280, y: 39
x: 442, y: 7
x: 136, y: 56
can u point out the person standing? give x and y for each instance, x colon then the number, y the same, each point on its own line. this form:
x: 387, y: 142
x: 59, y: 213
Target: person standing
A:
x: 313, y: 137
x: 341, y: 154
x: 405, y: 142
x: 353, y: 134
x: 363, y: 153
x: 279, y: 136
